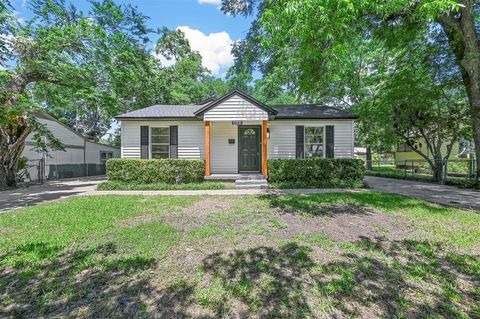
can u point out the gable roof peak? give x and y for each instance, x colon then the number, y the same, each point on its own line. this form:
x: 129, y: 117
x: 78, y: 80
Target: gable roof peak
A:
x: 240, y: 93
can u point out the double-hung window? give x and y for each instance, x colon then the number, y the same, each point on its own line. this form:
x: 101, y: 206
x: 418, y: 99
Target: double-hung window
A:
x: 314, y: 141
x: 105, y: 156
x: 160, y: 142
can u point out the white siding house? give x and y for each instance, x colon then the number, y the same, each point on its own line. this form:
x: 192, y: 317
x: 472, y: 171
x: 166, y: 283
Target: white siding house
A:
x: 80, y: 157
x: 235, y: 109
x: 191, y: 143
x: 282, y: 137
x: 231, y: 133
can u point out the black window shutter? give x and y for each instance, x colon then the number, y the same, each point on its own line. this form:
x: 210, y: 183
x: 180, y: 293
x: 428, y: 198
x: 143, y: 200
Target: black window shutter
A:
x: 144, y: 141
x: 173, y: 141
x: 330, y: 137
x: 299, y: 139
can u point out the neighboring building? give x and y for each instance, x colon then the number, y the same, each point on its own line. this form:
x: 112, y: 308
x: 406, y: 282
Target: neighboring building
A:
x: 236, y: 133
x: 80, y: 158
x: 360, y: 152
x: 405, y: 156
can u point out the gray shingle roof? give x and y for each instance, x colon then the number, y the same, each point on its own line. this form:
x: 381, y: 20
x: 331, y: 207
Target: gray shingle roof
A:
x: 302, y: 111
x: 311, y: 111
x: 162, y: 111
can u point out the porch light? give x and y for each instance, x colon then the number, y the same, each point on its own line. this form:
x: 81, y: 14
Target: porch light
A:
x: 268, y: 133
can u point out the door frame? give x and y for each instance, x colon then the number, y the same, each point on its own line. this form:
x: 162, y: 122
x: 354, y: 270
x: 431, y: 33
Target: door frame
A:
x: 259, y: 127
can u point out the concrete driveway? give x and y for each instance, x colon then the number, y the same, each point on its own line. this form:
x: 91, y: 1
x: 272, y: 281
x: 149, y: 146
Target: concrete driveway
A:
x: 439, y: 194
x: 49, y: 191
x: 52, y: 190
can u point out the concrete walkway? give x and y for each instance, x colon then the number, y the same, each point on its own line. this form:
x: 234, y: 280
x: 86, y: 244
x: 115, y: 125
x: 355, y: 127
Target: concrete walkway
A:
x: 435, y: 193
x: 223, y: 192
x: 52, y: 190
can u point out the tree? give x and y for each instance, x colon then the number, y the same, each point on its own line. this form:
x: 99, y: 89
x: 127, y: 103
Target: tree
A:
x: 186, y: 80
x: 116, y: 66
x: 337, y: 62
x: 307, y: 39
x: 67, y: 51
x: 424, y: 102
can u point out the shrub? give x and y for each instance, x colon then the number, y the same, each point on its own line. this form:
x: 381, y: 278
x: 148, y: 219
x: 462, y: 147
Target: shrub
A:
x: 169, y: 171
x: 320, y: 172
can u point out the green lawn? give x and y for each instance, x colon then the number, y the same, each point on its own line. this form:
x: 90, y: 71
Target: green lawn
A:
x: 345, y: 255
x: 109, y: 185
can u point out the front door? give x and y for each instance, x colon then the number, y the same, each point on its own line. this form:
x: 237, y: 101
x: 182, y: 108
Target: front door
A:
x: 249, y: 148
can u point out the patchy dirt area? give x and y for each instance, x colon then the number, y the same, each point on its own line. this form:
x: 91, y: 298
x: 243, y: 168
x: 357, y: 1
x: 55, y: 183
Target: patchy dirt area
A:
x: 344, y: 223
x: 348, y: 223
x: 245, y: 257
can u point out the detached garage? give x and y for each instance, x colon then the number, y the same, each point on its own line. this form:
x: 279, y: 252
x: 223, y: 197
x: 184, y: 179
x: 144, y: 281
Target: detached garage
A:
x: 80, y: 158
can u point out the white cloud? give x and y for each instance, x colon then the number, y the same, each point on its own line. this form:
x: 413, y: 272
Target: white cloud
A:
x: 216, y: 2
x: 16, y: 14
x: 215, y: 48
x: 164, y: 61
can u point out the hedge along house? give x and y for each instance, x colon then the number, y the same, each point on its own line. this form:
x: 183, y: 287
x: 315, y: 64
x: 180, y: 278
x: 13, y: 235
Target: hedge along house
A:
x: 236, y: 134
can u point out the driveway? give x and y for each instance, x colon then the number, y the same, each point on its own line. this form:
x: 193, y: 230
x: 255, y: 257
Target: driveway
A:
x: 50, y: 191
x: 439, y: 194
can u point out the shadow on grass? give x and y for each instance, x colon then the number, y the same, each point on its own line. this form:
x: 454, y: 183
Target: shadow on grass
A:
x: 269, y: 281
x: 41, y: 280
x: 311, y: 205
x: 378, y: 279
x: 371, y: 279
x: 352, y: 203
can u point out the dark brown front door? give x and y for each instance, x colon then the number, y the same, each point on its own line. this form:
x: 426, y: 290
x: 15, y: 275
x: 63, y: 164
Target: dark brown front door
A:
x: 249, y: 148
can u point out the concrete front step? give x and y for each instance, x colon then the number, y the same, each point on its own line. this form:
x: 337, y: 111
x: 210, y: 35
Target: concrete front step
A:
x: 250, y: 186
x: 251, y: 183
x: 235, y: 177
x: 252, y: 178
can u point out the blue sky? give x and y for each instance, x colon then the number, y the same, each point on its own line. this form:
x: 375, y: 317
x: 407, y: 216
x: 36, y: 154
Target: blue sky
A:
x: 208, y: 30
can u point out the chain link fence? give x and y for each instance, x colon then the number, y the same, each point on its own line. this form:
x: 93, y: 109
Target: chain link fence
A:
x: 34, y: 172
x: 61, y: 171
x: 457, y: 171
x: 37, y: 172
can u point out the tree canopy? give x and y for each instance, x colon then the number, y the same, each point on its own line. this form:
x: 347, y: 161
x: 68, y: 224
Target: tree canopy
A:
x: 399, y: 64
x: 84, y: 68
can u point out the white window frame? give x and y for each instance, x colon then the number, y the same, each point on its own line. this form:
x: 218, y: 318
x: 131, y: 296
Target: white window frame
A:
x: 106, y: 156
x: 305, y: 140
x: 150, y: 140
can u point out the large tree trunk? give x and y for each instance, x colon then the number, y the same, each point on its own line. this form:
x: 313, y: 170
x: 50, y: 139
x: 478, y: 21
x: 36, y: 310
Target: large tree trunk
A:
x: 12, y: 143
x: 464, y: 40
x: 437, y: 170
x: 18, y: 127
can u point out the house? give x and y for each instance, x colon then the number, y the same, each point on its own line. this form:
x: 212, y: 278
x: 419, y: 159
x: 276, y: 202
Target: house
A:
x: 80, y: 157
x: 360, y: 152
x: 405, y: 156
x: 236, y: 133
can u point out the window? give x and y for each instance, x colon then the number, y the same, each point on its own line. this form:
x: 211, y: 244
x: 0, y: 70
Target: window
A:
x: 314, y: 144
x: 160, y: 142
x: 404, y: 148
x: 105, y: 156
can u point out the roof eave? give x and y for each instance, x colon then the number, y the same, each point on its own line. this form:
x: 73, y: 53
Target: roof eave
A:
x: 315, y: 118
